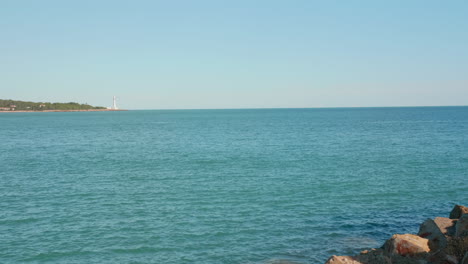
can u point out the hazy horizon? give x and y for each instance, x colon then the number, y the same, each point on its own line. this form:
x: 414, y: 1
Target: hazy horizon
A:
x: 237, y: 55
x: 255, y: 108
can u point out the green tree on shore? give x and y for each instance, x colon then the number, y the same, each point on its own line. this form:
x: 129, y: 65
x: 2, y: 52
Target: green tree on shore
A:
x: 41, y: 106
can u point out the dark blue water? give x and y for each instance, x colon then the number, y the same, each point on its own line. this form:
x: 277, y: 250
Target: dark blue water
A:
x: 224, y: 186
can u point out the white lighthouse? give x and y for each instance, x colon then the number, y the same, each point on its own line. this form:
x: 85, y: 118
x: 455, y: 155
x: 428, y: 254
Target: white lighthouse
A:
x: 114, y: 104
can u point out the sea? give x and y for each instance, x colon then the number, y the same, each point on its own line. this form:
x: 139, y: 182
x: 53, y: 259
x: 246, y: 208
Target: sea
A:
x: 247, y: 186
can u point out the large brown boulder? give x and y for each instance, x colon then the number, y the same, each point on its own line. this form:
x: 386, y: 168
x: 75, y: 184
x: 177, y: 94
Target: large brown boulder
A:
x: 461, y: 228
x: 458, y: 211
x: 437, y: 231
x: 407, y: 245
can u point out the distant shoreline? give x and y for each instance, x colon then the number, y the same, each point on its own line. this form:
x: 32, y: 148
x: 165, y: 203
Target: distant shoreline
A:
x: 83, y: 110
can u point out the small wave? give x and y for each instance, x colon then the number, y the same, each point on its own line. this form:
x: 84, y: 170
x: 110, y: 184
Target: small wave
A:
x: 361, y: 241
x: 281, y: 261
x: 44, y: 256
x: 135, y: 250
x: 18, y: 221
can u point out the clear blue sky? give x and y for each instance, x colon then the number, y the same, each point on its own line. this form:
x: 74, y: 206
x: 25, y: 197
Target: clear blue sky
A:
x: 235, y: 54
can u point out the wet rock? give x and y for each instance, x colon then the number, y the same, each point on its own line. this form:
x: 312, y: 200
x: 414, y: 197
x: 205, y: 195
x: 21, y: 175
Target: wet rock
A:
x: 407, y: 245
x: 461, y: 228
x: 437, y: 231
x: 458, y: 211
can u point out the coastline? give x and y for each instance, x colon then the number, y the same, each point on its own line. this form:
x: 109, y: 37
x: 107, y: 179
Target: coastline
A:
x: 83, y: 110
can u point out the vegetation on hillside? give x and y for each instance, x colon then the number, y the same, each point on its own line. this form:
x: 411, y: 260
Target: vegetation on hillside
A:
x: 34, y: 106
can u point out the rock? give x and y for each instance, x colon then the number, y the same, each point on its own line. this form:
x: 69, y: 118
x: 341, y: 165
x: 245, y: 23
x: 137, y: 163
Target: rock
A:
x: 451, y: 259
x: 458, y: 211
x: 280, y: 261
x: 407, y: 245
x: 406, y: 260
x: 457, y: 247
x: 374, y: 256
x: 436, y: 231
x: 439, y: 241
x: 440, y: 257
x: 461, y: 228
x: 465, y: 259
x: 446, y: 225
x: 343, y: 260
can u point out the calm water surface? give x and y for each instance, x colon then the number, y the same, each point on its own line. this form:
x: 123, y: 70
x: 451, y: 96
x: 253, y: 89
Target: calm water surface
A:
x: 224, y: 186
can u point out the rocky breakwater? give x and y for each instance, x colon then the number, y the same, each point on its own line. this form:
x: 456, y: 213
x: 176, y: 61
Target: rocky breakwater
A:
x: 439, y: 241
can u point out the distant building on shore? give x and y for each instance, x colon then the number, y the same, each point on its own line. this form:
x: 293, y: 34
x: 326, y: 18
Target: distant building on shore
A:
x: 11, y: 108
x: 114, y: 103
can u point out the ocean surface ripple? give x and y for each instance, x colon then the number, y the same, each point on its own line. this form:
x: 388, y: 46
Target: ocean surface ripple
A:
x: 224, y: 186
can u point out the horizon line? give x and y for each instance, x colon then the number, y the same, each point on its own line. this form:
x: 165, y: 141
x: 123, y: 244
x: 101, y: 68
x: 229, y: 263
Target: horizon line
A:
x: 317, y: 107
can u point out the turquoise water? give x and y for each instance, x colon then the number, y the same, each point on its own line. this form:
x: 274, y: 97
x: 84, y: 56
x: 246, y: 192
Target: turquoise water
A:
x: 224, y: 186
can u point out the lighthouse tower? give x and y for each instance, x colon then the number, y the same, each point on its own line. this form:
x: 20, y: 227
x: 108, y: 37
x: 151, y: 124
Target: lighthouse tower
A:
x: 114, y: 105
